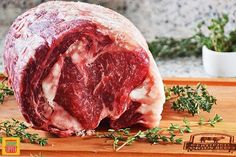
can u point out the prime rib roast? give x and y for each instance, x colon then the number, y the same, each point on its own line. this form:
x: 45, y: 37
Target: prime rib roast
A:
x: 73, y: 64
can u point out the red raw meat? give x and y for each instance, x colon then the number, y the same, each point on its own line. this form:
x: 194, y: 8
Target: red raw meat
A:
x: 72, y: 64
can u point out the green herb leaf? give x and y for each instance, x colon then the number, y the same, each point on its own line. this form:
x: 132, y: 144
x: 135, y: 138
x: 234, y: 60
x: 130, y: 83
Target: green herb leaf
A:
x: 179, y: 140
x: 201, y: 121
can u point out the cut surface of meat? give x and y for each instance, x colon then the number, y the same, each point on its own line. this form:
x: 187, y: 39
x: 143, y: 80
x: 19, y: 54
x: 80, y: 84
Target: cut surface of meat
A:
x: 72, y: 64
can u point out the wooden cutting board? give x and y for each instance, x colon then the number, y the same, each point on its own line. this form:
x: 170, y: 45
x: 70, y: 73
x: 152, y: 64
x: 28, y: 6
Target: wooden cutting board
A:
x: 223, y: 89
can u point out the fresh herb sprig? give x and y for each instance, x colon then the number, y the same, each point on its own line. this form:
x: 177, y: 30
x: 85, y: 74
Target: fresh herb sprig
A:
x: 4, y: 91
x: 211, y: 122
x: 164, y: 47
x: 123, y: 137
x: 192, y: 100
x: 217, y: 39
x: 15, y: 128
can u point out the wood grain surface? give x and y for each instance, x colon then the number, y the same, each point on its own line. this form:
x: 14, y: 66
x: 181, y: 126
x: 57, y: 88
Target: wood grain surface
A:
x: 223, y: 89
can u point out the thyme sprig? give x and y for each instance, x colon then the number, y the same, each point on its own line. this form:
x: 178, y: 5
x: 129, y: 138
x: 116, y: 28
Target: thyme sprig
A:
x: 211, y: 122
x: 217, y: 39
x: 168, y: 47
x: 190, y: 99
x: 123, y: 137
x: 4, y: 91
x: 15, y: 128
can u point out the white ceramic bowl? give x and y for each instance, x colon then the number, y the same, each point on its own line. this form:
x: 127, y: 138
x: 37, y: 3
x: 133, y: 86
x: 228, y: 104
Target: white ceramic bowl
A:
x: 219, y: 64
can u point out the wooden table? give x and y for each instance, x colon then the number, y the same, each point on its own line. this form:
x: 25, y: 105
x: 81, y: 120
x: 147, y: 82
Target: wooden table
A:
x: 223, y: 89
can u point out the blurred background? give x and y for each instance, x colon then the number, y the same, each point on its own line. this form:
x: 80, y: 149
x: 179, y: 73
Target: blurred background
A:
x: 177, y: 19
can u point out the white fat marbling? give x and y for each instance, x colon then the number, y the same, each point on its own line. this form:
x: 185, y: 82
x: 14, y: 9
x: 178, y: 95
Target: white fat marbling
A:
x: 50, y: 83
x: 63, y: 119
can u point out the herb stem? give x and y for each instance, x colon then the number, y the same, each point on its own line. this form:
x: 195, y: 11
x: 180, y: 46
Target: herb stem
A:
x: 124, y: 144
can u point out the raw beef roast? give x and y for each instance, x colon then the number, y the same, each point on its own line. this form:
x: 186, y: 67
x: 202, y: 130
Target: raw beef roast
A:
x: 72, y: 64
